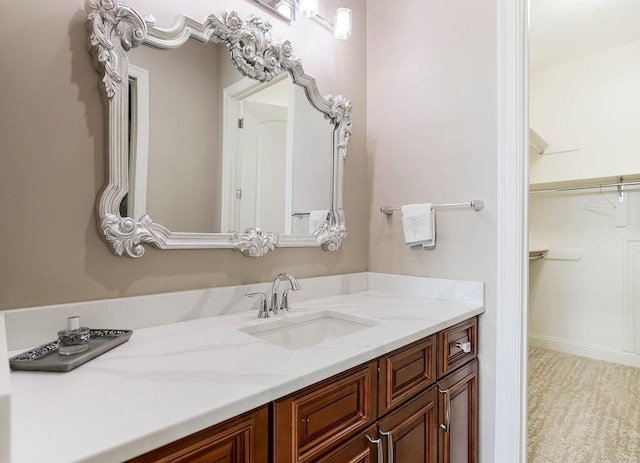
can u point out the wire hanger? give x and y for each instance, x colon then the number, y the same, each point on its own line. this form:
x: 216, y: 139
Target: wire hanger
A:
x: 605, y: 203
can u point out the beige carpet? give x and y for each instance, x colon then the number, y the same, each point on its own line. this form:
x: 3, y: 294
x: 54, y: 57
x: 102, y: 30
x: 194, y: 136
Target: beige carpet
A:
x: 582, y: 410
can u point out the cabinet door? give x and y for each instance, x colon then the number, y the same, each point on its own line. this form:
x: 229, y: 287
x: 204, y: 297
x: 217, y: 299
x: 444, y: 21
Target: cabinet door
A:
x: 365, y: 448
x: 410, y: 433
x: 405, y: 372
x: 311, y: 422
x: 240, y: 440
x: 458, y: 397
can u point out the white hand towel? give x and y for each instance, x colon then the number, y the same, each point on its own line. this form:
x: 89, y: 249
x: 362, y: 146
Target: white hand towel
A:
x: 417, y: 222
x: 431, y: 244
x: 317, y: 219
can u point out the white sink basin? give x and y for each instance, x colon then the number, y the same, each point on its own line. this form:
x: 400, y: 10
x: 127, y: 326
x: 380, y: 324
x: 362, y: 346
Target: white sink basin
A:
x: 300, y: 331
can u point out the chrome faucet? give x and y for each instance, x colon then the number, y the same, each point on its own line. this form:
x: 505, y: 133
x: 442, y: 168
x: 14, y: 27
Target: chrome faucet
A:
x: 271, y: 306
x: 276, y: 303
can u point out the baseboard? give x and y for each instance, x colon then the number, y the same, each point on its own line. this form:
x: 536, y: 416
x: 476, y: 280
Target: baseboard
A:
x: 584, y: 350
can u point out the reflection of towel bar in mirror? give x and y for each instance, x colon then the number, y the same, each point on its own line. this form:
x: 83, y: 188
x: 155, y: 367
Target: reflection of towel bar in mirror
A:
x: 299, y: 214
x: 475, y: 204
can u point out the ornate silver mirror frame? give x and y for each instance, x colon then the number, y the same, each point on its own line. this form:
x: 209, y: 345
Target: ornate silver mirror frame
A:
x: 115, y: 28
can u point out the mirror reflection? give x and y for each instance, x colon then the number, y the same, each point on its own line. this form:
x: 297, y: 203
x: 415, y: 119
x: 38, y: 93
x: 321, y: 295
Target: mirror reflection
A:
x: 203, y: 157
x: 213, y: 151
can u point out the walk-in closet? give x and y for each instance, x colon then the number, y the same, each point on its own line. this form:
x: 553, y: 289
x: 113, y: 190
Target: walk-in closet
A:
x: 584, y: 232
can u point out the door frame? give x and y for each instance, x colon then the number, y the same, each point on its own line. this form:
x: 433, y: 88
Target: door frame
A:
x: 232, y: 97
x: 510, y: 438
x: 139, y: 141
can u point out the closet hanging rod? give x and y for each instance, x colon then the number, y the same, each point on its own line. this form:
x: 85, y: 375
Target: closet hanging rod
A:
x: 475, y: 204
x: 587, y: 187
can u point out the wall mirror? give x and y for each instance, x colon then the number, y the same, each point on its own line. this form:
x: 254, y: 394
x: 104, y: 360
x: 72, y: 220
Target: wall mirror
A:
x: 217, y: 137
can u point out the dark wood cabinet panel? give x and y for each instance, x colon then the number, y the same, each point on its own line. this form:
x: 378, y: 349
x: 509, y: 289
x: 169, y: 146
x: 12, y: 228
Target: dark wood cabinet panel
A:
x: 458, y: 415
x: 318, y: 418
x: 405, y: 372
x: 361, y: 449
x: 410, y: 432
x: 453, y: 343
x: 244, y: 439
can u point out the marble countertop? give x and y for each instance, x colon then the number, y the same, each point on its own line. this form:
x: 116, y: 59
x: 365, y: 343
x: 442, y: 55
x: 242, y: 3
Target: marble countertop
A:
x: 172, y: 380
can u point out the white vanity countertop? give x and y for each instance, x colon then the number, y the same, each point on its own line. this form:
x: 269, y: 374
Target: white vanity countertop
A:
x: 169, y: 381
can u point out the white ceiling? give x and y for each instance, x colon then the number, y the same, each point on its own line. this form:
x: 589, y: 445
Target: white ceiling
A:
x: 564, y: 30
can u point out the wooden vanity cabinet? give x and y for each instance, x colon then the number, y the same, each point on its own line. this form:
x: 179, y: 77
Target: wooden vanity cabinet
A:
x: 244, y: 439
x: 415, y: 420
x: 389, y: 410
x: 439, y: 422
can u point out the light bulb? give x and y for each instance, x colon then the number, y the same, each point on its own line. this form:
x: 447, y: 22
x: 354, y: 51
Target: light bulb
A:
x: 309, y: 8
x: 342, y: 24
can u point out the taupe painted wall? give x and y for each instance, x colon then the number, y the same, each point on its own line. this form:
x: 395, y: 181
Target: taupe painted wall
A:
x: 53, y: 164
x: 431, y: 137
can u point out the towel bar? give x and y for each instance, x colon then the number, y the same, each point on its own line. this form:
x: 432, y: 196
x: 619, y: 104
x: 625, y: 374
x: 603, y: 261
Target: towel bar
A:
x: 475, y: 204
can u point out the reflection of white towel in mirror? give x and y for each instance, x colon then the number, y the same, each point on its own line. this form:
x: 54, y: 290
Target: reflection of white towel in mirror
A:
x: 418, y: 221
x: 317, y: 219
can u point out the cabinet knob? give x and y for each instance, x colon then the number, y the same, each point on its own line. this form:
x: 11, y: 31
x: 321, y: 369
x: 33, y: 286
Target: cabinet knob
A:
x: 464, y: 346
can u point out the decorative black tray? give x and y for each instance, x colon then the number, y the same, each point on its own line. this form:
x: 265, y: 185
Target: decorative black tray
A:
x: 46, y: 357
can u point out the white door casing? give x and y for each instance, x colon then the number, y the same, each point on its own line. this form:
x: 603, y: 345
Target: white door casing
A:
x: 632, y: 296
x: 510, y: 442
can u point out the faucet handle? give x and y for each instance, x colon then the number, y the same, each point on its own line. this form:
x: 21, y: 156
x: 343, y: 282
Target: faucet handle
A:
x: 285, y: 300
x: 263, y: 311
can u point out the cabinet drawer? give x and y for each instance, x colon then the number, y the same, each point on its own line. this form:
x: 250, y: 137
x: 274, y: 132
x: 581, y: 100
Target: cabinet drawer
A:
x: 360, y: 449
x: 452, y: 343
x: 239, y: 440
x: 312, y: 421
x: 405, y: 372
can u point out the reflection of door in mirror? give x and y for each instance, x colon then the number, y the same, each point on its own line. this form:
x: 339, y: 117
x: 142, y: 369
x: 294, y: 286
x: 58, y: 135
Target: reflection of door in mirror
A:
x: 279, y: 158
x: 134, y: 203
x: 261, y: 199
